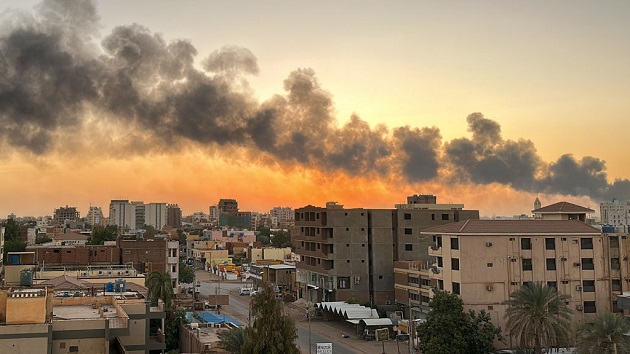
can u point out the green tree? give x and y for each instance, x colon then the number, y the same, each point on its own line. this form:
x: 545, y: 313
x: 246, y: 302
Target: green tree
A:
x: 186, y: 274
x: 101, y: 234
x: 448, y: 329
x: 481, y: 333
x: 605, y: 333
x: 160, y: 286
x: 13, y: 246
x: 149, y: 232
x: 272, y: 332
x: 538, y: 317
x: 280, y: 239
x: 264, y: 236
x: 232, y: 340
x: 181, y: 236
x: 11, y: 230
x: 171, y: 327
x: 39, y: 239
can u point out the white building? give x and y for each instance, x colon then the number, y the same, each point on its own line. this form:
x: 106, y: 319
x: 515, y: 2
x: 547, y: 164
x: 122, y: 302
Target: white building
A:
x: 282, y: 216
x: 155, y: 215
x: 95, y: 216
x: 615, y: 214
x: 122, y: 214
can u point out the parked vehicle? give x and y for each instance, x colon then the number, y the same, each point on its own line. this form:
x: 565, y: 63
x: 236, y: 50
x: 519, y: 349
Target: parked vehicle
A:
x: 245, y: 291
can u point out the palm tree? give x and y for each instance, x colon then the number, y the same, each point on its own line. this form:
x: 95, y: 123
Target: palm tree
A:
x: 232, y: 339
x: 160, y: 286
x: 538, y: 316
x: 604, y: 333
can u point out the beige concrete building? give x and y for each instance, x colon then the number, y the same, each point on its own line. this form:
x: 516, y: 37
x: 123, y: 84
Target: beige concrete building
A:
x: 484, y: 261
x: 34, y: 320
x: 350, y: 253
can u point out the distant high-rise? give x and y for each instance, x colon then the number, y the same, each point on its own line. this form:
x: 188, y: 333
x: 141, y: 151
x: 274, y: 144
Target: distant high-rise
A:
x: 95, y: 216
x: 155, y: 215
x: 64, y: 215
x: 422, y: 199
x: 227, y: 206
x: 615, y: 213
x: 121, y: 214
x: 173, y: 216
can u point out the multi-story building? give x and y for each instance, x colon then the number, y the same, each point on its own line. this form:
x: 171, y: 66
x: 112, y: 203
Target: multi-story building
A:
x: 95, y: 216
x: 121, y: 214
x: 349, y: 253
x: 64, y: 215
x: 173, y: 216
x: 76, y: 256
x: 1, y: 254
x: 227, y: 206
x: 139, y: 214
x: 615, y: 214
x: 282, y: 217
x: 484, y: 261
x: 33, y: 320
x: 149, y: 255
x: 156, y: 215
x: 563, y: 211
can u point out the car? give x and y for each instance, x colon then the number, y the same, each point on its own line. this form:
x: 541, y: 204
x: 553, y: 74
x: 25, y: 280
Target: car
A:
x: 245, y: 291
x: 253, y: 292
x: 209, y: 306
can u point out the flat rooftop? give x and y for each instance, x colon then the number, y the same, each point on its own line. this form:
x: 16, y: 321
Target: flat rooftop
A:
x: 83, y: 312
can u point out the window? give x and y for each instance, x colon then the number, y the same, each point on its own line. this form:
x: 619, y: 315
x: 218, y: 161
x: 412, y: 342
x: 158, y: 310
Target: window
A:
x: 527, y: 263
x: 551, y: 264
x: 588, y: 286
x: 455, y: 264
x: 432, y: 216
x: 73, y: 349
x: 587, y: 264
x: 408, y: 247
x: 489, y: 265
x: 440, y: 262
x: 454, y: 243
x: 456, y: 289
x: 586, y: 243
x: 616, y: 285
x: 550, y: 243
x: 440, y: 284
x: 552, y: 284
x: 526, y: 243
x: 343, y: 283
x: 615, y: 264
x: 408, y: 231
x: 444, y: 216
x: 407, y: 216
x: 614, y: 241
x: 589, y: 307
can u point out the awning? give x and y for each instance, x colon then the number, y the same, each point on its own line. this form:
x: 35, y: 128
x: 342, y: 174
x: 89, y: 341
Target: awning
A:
x: 377, y: 322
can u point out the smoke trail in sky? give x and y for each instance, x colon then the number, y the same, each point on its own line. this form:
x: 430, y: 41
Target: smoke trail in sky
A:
x: 57, y: 83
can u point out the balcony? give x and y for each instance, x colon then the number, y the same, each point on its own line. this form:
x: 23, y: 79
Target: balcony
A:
x: 435, y: 250
x: 172, y: 260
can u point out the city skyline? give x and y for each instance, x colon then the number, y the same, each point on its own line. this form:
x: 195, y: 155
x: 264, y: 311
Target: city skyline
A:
x: 489, y: 104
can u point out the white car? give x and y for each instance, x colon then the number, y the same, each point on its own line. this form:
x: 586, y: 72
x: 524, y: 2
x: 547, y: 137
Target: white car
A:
x: 245, y: 291
x: 253, y: 292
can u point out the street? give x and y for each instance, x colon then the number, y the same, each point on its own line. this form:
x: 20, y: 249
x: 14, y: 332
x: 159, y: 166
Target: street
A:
x: 321, y: 331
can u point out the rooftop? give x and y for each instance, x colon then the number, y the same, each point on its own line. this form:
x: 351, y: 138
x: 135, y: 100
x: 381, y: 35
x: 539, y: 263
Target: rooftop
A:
x: 517, y: 227
x: 563, y: 208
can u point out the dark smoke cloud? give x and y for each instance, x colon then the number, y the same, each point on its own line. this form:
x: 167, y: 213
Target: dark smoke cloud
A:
x: 58, y: 83
x: 488, y: 158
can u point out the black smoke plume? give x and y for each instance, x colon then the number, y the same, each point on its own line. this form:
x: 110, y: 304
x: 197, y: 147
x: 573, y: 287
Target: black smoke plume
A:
x: 57, y: 82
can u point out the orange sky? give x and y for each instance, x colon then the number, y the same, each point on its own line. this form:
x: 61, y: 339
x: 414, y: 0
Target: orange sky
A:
x: 550, y: 79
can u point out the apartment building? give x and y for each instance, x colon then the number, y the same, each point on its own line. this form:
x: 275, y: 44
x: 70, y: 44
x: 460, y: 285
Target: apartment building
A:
x: 95, y: 216
x: 414, y: 287
x: 173, y: 216
x: 76, y: 256
x: 350, y: 253
x: 282, y: 217
x: 155, y: 215
x: 65, y: 215
x: 615, y: 214
x: 152, y: 255
x: 36, y: 320
x: 484, y: 261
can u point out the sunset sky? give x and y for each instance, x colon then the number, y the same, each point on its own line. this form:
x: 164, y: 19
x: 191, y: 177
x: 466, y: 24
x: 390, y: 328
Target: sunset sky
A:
x: 285, y: 103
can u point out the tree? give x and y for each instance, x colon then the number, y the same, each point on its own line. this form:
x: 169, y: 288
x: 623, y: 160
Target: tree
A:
x: 181, y: 237
x: 232, y: 340
x: 149, y: 232
x: 448, y: 329
x: 160, y: 286
x: 186, y: 274
x: 173, y: 320
x: 272, y: 332
x: 43, y: 238
x: 538, y: 317
x: 11, y: 230
x: 604, y: 333
x: 101, y: 234
x: 281, y: 239
x: 264, y: 236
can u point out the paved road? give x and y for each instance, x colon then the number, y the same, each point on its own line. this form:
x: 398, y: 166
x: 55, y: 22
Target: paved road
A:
x: 321, y: 332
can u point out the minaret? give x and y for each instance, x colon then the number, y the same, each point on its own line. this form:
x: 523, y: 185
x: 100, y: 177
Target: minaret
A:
x: 537, y: 204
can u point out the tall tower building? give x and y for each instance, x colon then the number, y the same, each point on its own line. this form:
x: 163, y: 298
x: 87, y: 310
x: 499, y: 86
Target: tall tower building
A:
x: 155, y: 215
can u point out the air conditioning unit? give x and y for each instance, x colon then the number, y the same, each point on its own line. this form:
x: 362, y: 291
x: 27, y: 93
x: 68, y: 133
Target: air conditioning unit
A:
x: 489, y: 287
x: 579, y: 307
x: 84, y: 274
x: 194, y: 325
x: 388, y: 302
x: 207, y: 346
x: 563, y: 259
x: 488, y: 244
x: 578, y: 288
x: 576, y: 264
